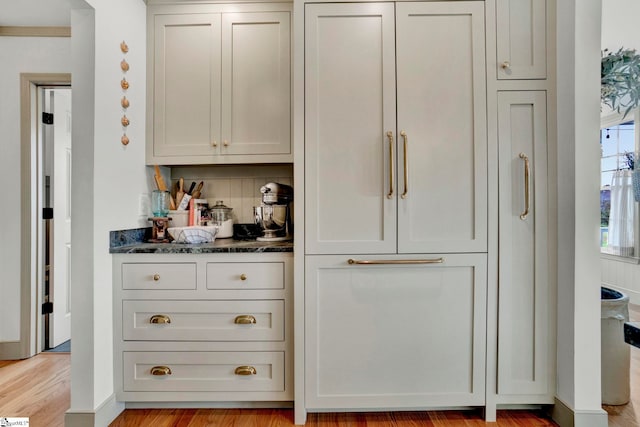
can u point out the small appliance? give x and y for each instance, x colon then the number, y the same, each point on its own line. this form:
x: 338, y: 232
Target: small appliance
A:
x: 274, y: 214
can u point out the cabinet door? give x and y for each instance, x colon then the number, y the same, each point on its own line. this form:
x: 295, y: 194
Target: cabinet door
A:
x: 186, y: 89
x: 395, y: 336
x: 256, y: 84
x: 349, y: 108
x: 524, y: 332
x: 521, y: 39
x: 442, y: 161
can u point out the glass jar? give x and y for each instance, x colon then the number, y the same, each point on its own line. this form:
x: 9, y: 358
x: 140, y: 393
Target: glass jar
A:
x: 160, y: 203
x: 222, y: 217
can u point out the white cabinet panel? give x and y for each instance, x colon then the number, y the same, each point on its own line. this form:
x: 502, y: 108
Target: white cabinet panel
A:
x: 164, y: 276
x: 442, y: 161
x: 245, y: 275
x: 153, y: 320
x: 524, y: 332
x: 203, y: 371
x: 395, y: 336
x: 256, y: 83
x: 349, y: 108
x: 186, y: 93
x: 521, y: 39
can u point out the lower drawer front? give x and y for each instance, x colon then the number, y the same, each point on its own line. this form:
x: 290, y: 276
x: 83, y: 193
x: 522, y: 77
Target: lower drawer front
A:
x: 237, y: 320
x: 203, y: 371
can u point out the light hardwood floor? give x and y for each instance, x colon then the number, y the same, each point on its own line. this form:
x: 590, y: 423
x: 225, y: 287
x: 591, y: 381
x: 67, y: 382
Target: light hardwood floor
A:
x: 38, y: 388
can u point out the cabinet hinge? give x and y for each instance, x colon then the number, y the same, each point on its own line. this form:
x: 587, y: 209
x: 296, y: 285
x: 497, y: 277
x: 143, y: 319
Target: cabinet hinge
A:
x: 47, y: 118
x: 47, y: 308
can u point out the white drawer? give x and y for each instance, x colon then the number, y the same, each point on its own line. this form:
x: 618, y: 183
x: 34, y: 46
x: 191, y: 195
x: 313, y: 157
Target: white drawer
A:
x: 204, y: 371
x: 245, y: 275
x: 159, y: 276
x: 236, y: 320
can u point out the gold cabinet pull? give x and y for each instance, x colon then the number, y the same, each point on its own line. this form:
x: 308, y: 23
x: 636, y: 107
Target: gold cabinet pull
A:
x: 160, y: 370
x: 524, y: 214
x: 214, y: 143
x: 245, y: 370
x: 395, y: 261
x: 156, y: 277
x: 390, y: 137
x: 226, y: 143
x: 505, y: 65
x: 243, y: 276
x: 160, y: 319
x: 404, y: 195
x: 245, y: 319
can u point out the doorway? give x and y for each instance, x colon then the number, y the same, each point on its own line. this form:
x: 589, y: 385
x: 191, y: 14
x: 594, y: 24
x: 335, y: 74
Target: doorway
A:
x: 54, y: 234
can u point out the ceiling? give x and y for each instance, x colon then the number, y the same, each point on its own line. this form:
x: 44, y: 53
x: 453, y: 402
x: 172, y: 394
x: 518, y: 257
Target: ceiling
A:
x: 39, y: 13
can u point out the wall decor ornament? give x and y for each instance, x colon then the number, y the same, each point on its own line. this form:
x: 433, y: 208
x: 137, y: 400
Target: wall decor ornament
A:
x: 124, y: 102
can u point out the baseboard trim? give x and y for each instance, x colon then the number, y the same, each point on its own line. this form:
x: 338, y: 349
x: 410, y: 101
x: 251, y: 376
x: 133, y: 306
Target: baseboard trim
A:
x: 567, y: 417
x: 102, y: 416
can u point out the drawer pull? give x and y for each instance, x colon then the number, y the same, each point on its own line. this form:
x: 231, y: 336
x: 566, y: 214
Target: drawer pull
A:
x: 160, y: 319
x: 246, y: 370
x: 160, y: 370
x: 396, y: 261
x: 243, y: 276
x: 156, y: 277
x: 245, y: 319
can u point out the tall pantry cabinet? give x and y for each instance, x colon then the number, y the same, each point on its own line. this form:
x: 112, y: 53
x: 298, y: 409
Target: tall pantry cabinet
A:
x: 423, y: 249
x: 395, y: 205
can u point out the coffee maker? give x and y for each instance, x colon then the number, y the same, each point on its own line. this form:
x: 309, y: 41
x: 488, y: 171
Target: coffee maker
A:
x: 274, y: 214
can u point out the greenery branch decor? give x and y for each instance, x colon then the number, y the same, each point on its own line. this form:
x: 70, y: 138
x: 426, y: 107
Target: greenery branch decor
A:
x: 620, y: 79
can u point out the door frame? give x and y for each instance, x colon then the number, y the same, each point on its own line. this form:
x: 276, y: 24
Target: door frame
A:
x: 29, y: 290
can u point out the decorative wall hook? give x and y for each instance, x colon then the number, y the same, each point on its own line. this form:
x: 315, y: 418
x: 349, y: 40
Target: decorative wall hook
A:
x: 124, y: 65
x: 124, y: 139
x: 124, y: 102
x: 125, y: 121
x: 123, y: 47
x: 124, y: 83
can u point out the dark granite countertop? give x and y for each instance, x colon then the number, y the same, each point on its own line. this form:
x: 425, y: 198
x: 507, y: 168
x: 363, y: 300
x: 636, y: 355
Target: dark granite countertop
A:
x: 133, y: 242
x: 632, y: 333
x: 218, y: 246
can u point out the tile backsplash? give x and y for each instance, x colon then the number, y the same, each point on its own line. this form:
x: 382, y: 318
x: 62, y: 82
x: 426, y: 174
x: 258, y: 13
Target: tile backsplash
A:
x: 238, y: 186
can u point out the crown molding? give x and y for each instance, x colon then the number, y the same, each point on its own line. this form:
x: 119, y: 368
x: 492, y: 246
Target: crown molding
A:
x: 35, y: 31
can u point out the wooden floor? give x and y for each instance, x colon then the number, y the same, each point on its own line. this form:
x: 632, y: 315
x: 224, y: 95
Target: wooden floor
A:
x: 38, y: 388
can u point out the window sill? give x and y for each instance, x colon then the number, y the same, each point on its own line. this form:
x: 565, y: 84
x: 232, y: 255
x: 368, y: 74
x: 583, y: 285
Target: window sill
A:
x: 618, y: 258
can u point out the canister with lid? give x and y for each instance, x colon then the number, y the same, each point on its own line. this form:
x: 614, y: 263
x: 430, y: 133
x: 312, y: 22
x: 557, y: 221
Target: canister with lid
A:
x: 222, y: 217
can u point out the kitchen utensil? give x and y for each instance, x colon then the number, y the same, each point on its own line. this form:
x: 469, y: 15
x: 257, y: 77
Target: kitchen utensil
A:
x: 193, y: 186
x: 198, y: 191
x: 222, y: 217
x: 274, y: 215
x: 180, y: 192
x: 162, y: 186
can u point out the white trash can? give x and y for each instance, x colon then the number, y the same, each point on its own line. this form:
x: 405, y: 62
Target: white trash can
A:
x: 614, y: 350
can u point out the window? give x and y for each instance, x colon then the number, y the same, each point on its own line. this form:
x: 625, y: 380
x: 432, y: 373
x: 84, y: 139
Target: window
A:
x: 618, y: 208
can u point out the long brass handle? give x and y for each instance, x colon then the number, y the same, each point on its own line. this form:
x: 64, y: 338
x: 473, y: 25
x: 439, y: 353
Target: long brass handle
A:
x: 160, y: 370
x: 245, y: 319
x: 160, y: 319
x: 245, y: 370
x: 156, y: 277
x: 404, y: 195
x: 396, y: 261
x: 524, y: 214
x: 390, y: 137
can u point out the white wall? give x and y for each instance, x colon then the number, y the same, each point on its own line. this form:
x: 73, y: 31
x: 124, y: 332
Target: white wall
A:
x: 18, y: 55
x: 620, y: 29
x: 106, y: 185
x: 578, y: 339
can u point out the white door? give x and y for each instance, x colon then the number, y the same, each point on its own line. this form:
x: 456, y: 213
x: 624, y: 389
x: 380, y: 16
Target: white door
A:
x: 60, y: 320
x: 525, y: 335
x: 442, y: 148
x: 256, y: 83
x: 350, y: 201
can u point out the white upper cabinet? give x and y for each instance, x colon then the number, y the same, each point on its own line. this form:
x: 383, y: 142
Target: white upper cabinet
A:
x: 219, y: 84
x: 521, y: 39
x: 374, y: 186
x: 186, y: 91
x: 256, y: 83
